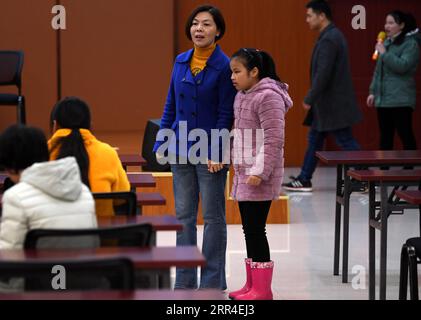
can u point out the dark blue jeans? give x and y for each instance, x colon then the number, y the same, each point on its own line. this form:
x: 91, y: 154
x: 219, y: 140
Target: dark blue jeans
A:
x: 316, y: 139
x: 189, y: 181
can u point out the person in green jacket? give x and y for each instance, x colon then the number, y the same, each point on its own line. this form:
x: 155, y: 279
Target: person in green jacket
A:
x: 393, y: 89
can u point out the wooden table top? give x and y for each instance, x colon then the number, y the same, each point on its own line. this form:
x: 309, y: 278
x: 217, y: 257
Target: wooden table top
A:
x: 137, y: 180
x: 150, y: 199
x: 370, y: 157
x: 144, y: 258
x: 143, y: 199
x: 141, y: 180
x: 159, y: 223
x: 132, y: 160
x: 385, y: 175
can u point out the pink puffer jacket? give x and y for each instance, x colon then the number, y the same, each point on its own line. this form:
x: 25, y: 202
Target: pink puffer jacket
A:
x: 259, y: 132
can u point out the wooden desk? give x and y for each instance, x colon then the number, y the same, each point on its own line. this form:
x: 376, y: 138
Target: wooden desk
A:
x: 137, y: 180
x: 132, y: 160
x: 143, y: 199
x: 386, y: 206
x: 141, y: 180
x: 155, y: 261
x: 344, y: 160
x: 185, y: 295
x: 159, y: 223
x: 149, y: 199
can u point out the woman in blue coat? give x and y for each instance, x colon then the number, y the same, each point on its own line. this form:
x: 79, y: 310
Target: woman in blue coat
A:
x: 201, y: 96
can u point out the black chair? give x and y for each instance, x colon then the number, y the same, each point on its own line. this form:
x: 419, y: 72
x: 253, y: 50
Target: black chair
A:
x: 132, y: 235
x: 79, y: 274
x: 149, y: 138
x: 410, y: 258
x: 124, y: 203
x: 11, y: 64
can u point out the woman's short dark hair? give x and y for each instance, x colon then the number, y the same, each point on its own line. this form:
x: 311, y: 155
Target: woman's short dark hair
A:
x: 22, y: 146
x: 217, y: 17
x: 74, y: 114
x: 320, y: 6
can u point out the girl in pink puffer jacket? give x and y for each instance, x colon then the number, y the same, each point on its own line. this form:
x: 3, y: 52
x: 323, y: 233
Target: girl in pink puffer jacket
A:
x: 259, y: 110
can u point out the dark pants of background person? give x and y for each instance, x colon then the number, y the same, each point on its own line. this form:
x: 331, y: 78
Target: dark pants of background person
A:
x: 396, y: 119
x: 253, y: 217
x: 316, y: 139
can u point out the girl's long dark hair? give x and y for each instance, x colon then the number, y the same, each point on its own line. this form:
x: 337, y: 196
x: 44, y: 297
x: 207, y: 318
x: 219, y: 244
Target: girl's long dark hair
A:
x: 74, y: 114
x: 253, y: 58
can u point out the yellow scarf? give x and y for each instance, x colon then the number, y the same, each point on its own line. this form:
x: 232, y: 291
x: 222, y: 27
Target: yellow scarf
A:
x: 200, y: 58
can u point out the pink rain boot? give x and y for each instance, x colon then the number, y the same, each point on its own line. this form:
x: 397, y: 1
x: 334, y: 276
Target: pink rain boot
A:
x: 261, y: 279
x: 247, y: 286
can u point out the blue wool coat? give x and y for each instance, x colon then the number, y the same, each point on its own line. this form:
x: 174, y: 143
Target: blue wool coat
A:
x: 205, y: 101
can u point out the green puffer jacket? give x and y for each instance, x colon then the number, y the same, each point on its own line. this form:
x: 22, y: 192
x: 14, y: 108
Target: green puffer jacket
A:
x: 393, y: 83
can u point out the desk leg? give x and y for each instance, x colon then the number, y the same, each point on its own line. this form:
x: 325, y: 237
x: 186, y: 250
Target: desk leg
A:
x: 345, y: 243
x: 383, y: 239
x: 337, y: 220
x: 371, y: 242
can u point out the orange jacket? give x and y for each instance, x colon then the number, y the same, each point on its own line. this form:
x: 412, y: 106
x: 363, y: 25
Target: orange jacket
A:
x: 106, y: 173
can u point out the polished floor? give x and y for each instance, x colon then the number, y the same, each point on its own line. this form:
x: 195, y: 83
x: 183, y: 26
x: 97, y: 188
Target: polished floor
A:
x: 303, y: 250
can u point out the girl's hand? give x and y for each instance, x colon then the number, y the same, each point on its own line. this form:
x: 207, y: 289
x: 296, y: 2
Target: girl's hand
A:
x: 214, y: 167
x: 254, y: 181
x: 370, y: 100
